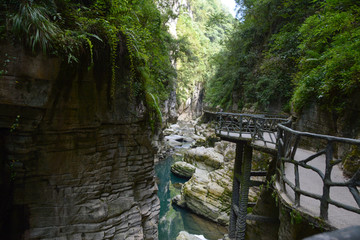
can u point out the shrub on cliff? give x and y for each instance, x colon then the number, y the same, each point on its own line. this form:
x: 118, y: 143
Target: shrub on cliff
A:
x: 77, y: 30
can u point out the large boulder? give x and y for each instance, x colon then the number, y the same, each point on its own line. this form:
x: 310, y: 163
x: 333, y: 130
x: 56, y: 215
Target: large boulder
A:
x: 209, y: 194
x: 183, y: 169
x: 204, y: 158
x: 227, y: 149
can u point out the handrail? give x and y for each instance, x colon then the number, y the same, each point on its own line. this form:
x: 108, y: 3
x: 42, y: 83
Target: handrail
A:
x: 256, y: 127
x: 321, y: 136
x: 276, y: 130
x: 288, y: 142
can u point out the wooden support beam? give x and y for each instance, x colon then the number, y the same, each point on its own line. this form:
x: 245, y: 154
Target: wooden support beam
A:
x: 236, y: 188
x: 244, y: 192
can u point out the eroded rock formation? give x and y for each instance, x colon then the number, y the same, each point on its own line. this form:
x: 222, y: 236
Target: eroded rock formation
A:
x: 75, y: 163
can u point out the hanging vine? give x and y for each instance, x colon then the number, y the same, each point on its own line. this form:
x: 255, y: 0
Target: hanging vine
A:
x: 70, y: 28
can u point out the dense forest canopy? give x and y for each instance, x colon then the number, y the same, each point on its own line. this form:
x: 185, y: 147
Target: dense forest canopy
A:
x: 290, y: 53
x: 201, y: 28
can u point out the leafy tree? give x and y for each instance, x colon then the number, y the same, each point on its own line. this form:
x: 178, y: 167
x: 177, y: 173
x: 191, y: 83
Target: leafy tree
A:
x: 72, y: 29
x: 201, y: 27
x: 264, y: 55
x: 283, y: 50
x: 329, y: 67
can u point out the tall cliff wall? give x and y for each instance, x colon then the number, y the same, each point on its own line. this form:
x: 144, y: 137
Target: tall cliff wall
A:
x: 316, y: 119
x: 78, y: 165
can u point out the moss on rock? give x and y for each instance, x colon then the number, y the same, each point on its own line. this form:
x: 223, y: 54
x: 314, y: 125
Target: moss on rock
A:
x: 351, y: 162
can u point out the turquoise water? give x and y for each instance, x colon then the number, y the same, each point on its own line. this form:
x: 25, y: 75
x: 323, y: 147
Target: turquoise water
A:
x: 174, y: 219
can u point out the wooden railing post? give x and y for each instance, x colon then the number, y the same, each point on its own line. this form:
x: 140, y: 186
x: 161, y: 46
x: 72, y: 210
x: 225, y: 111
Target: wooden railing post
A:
x: 324, y: 203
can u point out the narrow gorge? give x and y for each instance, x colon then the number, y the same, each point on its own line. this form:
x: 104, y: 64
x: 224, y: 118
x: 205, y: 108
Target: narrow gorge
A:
x: 116, y: 116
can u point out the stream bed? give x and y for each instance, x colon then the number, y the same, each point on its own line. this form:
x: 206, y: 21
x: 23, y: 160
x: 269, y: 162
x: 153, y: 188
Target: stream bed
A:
x: 174, y: 219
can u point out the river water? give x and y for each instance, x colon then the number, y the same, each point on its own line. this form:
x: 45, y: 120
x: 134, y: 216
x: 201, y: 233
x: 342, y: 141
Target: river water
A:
x: 174, y: 219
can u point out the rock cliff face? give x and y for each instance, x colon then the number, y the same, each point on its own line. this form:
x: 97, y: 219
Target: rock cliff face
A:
x: 76, y: 164
x: 318, y: 120
x: 193, y: 106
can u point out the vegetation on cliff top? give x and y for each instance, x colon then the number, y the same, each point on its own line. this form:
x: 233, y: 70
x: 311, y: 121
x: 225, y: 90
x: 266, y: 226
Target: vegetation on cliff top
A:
x: 201, y: 28
x: 290, y: 52
x: 68, y: 29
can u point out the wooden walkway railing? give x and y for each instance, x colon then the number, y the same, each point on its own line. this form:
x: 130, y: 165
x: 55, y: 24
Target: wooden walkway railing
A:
x: 288, y: 145
x: 294, y: 163
x: 258, y: 127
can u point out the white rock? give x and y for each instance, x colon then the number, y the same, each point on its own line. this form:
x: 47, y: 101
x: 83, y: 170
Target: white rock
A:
x: 183, y: 235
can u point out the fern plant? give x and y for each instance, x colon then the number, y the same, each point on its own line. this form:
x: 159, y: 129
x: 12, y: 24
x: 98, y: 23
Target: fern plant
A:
x: 31, y: 25
x: 70, y: 29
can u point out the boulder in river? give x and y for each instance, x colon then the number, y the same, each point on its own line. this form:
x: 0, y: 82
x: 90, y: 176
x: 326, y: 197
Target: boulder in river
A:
x: 204, y: 158
x: 183, y: 169
x: 209, y: 194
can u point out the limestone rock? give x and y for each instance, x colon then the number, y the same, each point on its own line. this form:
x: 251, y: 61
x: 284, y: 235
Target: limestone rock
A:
x: 183, y: 169
x: 209, y: 194
x: 179, y: 200
x: 174, y: 140
x: 85, y: 165
x: 183, y: 235
x: 200, y: 141
x: 204, y: 158
x: 227, y: 149
x: 168, y: 131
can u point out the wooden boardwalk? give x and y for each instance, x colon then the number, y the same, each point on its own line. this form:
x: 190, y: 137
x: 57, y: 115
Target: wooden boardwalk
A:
x: 309, y: 181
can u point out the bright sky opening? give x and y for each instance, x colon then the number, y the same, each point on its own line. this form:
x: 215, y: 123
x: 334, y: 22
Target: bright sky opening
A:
x: 230, y: 4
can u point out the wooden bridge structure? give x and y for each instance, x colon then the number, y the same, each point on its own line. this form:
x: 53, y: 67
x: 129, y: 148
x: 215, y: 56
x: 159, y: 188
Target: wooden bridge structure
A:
x: 311, y: 181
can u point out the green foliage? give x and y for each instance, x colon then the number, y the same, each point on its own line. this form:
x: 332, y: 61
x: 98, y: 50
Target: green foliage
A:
x: 15, y: 125
x: 295, y: 217
x: 201, y: 29
x: 7, y: 60
x: 245, y: 69
x: 285, y: 50
x: 351, y: 161
x: 329, y: 68
x: 131, y: 30
x: 154, y: 110
x: 32, y: 26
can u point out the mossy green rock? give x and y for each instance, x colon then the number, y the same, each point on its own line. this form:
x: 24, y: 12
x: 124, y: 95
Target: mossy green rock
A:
x: 351, y: 162
x: 204, y: 158
x: 183, y: 169
x: 209, y: 194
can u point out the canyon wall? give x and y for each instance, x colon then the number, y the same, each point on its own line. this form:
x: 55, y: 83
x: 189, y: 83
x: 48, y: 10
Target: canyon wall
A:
x: 75, y: 163
x: 320, y: 120
x: 193, y: 107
